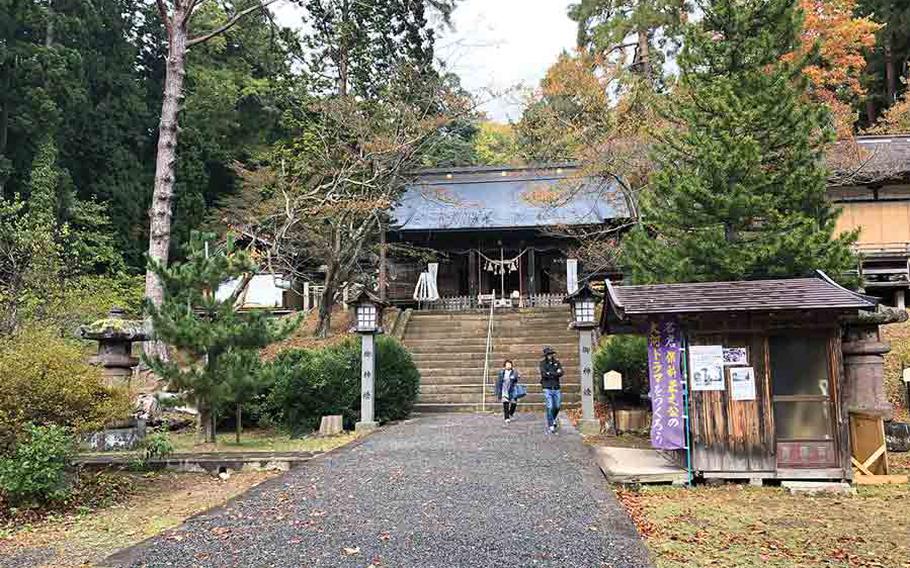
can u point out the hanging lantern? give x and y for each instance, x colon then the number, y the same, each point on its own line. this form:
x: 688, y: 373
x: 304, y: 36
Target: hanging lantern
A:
x: 583, y: 302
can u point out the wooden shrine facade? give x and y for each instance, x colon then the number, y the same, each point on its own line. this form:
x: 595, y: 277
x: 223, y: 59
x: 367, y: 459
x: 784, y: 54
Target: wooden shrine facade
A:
x: 501, y: 230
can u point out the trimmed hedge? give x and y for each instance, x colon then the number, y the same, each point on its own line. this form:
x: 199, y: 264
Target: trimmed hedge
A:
x: 311, y: 383
x: 627, y: 354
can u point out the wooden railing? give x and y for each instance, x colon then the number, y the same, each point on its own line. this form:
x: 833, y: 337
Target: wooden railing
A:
x: 463, y: 303
x: 543, y: 301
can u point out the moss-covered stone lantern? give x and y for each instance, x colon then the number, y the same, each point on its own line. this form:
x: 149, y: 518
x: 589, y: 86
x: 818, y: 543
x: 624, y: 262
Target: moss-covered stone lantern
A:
x: 115, y: 336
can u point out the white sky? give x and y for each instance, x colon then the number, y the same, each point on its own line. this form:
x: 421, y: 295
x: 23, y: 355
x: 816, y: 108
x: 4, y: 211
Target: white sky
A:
x: 497, y: 47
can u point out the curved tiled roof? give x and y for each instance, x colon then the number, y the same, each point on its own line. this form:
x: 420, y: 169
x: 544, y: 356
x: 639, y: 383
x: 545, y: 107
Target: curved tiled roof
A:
x: 507, y: 197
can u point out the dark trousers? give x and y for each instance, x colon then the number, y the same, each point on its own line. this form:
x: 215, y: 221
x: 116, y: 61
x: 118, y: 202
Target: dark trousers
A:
x: 508, y: 409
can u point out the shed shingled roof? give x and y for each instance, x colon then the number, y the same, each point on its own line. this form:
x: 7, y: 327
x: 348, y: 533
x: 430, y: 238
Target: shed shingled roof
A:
x: 819, y: 293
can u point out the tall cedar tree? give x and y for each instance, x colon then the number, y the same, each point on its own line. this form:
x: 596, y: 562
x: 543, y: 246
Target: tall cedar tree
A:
x: 886, y: 63
x: 645, y: 29
x: 740, y: 187
x: 211, y: 335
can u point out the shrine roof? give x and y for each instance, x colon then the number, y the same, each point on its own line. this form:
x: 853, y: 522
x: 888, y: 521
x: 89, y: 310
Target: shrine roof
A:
x: 507, y: 197
x: 869, y: 159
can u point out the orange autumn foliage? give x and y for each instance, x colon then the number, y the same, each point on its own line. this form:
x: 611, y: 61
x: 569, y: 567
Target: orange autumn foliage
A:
x: 841, y: 38
x: 895, y: 120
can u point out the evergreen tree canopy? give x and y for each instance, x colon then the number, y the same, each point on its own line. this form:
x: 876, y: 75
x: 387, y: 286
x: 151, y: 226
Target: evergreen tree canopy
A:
x: 213, y: 337
x: 740, y: 186
x: 649, y: 29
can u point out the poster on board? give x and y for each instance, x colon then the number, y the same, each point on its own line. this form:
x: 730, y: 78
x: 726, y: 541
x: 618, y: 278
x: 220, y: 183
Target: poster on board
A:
x: 706, y: 367
x: 735, y: 356
x: 742, y: 383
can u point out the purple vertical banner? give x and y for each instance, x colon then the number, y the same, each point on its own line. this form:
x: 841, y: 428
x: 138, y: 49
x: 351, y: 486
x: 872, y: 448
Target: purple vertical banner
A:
x: 667, y: 425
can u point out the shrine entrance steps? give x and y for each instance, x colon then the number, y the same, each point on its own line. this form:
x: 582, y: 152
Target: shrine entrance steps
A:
x: 449, y: 350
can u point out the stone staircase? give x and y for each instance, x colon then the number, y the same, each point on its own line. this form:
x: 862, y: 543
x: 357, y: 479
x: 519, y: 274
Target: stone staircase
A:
x: 449, y: 348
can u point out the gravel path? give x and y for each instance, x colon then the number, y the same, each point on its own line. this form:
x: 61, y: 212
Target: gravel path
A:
x: 446, y: 491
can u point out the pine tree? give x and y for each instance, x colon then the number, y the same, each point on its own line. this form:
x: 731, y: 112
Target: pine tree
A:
x: 740, y: 190
x: 212, y: 337
x: 245, y: 382
x: 609, y: 29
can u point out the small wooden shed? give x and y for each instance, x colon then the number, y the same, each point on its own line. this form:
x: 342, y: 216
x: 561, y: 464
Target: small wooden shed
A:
x: 772, y: 408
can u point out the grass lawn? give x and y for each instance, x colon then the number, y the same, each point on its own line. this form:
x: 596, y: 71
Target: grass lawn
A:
x: 251, y: 441
x: 736, y: 526
x: 259, y: 441
x: 153, y: 503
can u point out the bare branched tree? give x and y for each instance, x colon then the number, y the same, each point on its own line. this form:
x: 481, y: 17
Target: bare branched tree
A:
x: 321, y: 203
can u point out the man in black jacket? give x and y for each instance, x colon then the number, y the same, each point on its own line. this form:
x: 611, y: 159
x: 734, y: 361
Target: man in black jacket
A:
x: 550, y: 373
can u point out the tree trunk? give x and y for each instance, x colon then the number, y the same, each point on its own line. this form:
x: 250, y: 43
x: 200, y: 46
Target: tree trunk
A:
x: 644, y: 54
x: 383, y: 259
x: 165, y: 164
x: 341, y: 56
x: 239, y: 424
x: 206, y: 424
x: 49, y: 35
x: 326, y: 303
x: 890, y: 71
x: 5, y: 86
x: 871, y: 111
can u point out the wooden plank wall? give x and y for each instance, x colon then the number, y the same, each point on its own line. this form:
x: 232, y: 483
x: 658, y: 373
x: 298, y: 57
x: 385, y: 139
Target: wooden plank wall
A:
x: 728, y: 435
x: 880, y: 222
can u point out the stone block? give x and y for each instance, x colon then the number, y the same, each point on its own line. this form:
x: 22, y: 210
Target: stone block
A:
x: 115, y: 439
x: 817, y: 487
x: 331, y: 425
x: 897, y: 435
x: 364, y: 427
x: 589, y: 427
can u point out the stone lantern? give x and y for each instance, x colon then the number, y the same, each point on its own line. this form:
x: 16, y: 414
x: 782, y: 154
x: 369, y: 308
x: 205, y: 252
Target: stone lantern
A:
x: 864, y: 360
x: 115, y: 336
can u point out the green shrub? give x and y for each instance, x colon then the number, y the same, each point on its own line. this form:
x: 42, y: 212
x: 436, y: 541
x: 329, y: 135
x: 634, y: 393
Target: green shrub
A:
x: 397, y: 380
x: 88, y: 298
x: 45, y: 379
x: 627, y: 354
x: 35, y: 472
x: 157, y: 444
x: 311, y: 383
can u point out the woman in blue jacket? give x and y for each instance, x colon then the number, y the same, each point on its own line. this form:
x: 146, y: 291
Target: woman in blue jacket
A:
x: 505, y: 389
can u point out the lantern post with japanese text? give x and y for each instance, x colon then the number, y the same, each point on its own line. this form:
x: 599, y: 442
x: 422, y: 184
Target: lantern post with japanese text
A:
x: 583, y: 303
x: 368, y: 323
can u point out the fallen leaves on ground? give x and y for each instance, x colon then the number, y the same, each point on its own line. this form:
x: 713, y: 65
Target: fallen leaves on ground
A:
x: 744, y: 527
x: 158, y: 502
x: 898, y: 335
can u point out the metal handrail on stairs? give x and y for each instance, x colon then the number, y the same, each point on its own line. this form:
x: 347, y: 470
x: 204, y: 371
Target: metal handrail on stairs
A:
x: 486, y: 359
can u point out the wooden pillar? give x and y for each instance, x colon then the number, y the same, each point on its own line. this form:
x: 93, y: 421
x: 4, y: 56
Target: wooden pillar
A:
x: 532, y: 272
x: 383, y: 262
x: 472, y: 274
x: 571, y: 275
